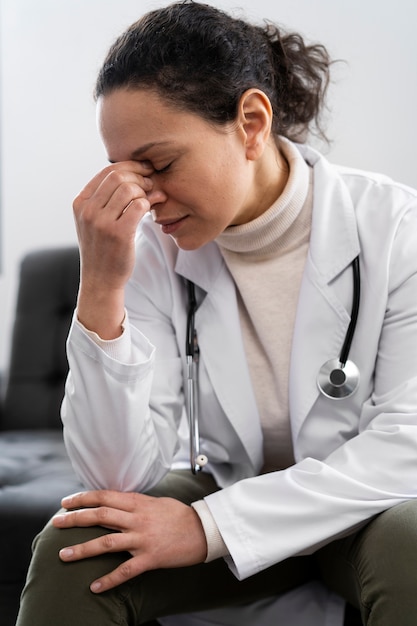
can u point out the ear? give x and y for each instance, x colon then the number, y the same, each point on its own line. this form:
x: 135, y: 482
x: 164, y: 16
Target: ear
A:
x: 255, y: 120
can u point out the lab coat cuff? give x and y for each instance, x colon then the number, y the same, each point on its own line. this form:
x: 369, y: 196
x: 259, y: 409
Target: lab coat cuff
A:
x: 216, y: 548
x: 119, y: 349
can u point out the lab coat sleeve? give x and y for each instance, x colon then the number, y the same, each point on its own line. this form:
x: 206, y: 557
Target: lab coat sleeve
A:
x: 121, y: 418
x: 265, y: 519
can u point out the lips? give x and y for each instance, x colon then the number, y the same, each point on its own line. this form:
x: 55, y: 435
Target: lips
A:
x: 169, y: 226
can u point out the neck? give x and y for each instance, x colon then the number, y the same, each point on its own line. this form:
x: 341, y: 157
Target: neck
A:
x: 268, y: 185
x: 284, y: 223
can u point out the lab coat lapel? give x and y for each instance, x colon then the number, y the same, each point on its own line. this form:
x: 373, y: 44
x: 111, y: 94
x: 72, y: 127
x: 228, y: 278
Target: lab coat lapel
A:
x: 219, y: 337
x: 325, y: 298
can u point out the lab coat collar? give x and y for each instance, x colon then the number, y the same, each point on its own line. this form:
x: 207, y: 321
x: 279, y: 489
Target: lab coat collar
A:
x: 203, y: 272
x: 334, y: 239
x: 322, y: 318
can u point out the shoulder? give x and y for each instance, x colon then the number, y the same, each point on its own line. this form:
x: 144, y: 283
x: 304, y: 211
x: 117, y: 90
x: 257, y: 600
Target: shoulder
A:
x: 374, y: 183
x: 356, y: 180
x: 383, y: 207
x: 368, y: 192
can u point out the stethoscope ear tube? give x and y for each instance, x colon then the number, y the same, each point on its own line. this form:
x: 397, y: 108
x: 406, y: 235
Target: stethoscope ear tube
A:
x: 339, y: 378
x: 197, y: 460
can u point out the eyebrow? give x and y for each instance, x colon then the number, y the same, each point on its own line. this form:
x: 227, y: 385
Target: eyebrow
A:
x: 136, y: 154
x: 153, y: 144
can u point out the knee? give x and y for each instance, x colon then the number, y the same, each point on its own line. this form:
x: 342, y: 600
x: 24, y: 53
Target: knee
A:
x: 393, y: 534
x: 48, y: 542
x: 51, y: 540
x: 388, y: 557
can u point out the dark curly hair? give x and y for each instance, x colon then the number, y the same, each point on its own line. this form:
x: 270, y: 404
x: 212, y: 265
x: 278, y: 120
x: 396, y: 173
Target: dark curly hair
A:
x: 203, y: 60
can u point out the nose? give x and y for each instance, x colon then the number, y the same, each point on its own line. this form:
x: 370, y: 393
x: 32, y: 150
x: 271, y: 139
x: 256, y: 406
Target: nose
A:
x: 156, y: 195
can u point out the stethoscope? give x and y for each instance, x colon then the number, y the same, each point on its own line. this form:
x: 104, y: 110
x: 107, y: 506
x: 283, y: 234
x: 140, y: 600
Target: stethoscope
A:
x: 192, y: 351
x: 337, y: 378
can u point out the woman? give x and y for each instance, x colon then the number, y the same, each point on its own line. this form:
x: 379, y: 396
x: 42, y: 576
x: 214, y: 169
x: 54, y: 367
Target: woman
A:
x: 307, y: 499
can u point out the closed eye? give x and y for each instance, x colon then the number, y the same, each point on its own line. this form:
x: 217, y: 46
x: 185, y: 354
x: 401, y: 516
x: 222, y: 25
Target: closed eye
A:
x: 162, y: 170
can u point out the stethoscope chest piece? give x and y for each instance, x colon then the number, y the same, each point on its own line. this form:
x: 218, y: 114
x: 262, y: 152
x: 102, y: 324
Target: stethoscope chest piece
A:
x: 337, y: 380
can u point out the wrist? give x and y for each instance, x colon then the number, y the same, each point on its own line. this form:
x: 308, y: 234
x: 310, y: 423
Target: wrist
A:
x: 102, y: 312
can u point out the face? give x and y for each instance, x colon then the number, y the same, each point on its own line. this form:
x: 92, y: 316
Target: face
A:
x: 203, y: 180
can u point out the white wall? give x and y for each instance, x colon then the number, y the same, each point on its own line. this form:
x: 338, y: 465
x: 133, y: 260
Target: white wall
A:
x: 51, y: 50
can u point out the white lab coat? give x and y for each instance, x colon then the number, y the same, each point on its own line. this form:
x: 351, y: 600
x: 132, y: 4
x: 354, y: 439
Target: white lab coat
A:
x: 124, y: 422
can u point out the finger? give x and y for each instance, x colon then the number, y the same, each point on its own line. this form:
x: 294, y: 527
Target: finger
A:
x: 114, y: 519
x: 115, y: 198
x: 124, y: 501
x: 126, y: 571
x: 137, y: 208
x: 142, y: 168
x: 107, y: 543
x: 115, y: 192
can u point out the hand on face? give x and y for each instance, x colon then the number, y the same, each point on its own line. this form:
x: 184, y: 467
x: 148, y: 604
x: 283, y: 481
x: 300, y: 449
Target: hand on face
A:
x: 157, y: 532
x: 107, y: 212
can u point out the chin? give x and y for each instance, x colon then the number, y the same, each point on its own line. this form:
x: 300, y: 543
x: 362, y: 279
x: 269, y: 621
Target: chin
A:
x: 188, y: 244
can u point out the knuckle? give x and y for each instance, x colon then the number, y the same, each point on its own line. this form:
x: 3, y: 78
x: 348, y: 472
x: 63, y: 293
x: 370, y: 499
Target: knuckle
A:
x: 132, y: 190
x: 120, y: 178
x: 108, y: 542
x: 80, y: 497
x: 84, y: 215
x: 142, y: 204
x: 79, y: 207
x: 102, y: 514
x: 134, y: 498
x: 125, y: 570
x: 115, y: 174
x: 76, y: 205
x: 123, y: 181
x: 73, y: 518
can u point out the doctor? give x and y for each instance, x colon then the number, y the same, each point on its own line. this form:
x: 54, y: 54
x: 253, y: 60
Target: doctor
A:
x: 306, y: 500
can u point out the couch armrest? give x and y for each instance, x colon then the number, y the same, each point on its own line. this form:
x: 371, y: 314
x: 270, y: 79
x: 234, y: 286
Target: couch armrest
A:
x: 38, y: 366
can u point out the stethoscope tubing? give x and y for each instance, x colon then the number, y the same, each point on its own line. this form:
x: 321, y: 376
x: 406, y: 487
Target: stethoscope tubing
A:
x: 197, y: 460
x: 344, y: 353
x: 337, y: 378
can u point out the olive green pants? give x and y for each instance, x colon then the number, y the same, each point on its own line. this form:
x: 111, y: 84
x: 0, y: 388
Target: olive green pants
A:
x: 374, y: 569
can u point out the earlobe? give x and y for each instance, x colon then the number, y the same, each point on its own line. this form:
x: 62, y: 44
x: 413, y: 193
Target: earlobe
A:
x: 255, y: 119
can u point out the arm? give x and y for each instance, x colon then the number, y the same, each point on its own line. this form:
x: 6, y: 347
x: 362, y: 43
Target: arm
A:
x: 325, y: 497
x: 107, y: 212
x: 106, y: 411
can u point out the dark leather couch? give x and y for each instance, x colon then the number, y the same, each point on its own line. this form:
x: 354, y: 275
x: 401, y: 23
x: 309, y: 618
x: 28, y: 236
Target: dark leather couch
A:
x: 34, y: 469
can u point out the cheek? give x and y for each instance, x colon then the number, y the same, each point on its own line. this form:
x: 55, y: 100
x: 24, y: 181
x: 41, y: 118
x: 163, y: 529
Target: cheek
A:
x: 191, y: 187
x: 209, y: 185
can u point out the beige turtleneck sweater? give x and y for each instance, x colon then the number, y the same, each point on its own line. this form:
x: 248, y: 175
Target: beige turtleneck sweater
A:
x: 266, y: 258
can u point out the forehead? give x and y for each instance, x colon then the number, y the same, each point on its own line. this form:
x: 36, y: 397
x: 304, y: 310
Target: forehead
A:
x: 128, y: 119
